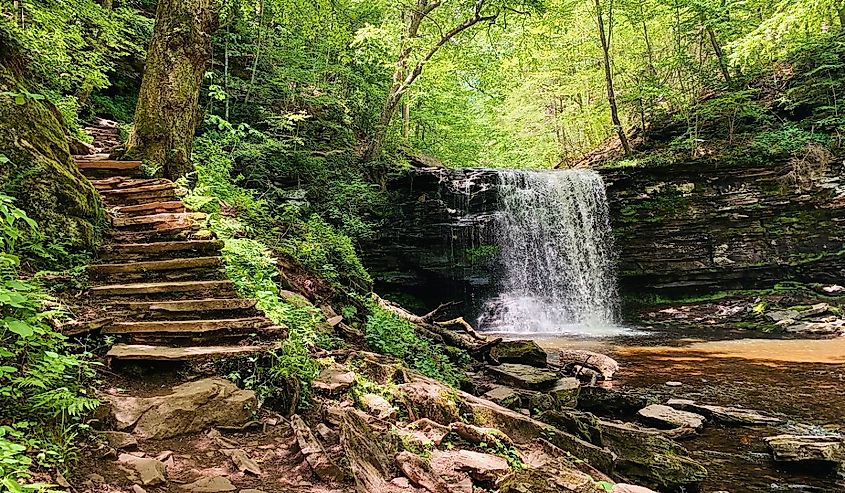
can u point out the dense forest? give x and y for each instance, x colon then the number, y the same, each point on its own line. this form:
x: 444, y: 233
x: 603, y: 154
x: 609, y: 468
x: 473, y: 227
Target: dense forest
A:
x: 283, y: 124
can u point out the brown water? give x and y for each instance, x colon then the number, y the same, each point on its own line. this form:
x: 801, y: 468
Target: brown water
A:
x: 802, y: 379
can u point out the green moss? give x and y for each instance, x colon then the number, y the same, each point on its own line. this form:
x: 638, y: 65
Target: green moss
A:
x: 40, y: 172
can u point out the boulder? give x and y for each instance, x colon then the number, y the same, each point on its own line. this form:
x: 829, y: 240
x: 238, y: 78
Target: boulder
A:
x: 150, y: 472
x: 378, y: 406
x: 581, y: 424
x: 429, y: 399
x: 503, y: 396
x: 210, y: 484
x: 189, y: 408
x: 669, y: 417
x: 40, y: 172
x: 119, y: 440
x: 555, y: 476
x: 808, y: 448
x: 334, y: 379
x: 523, y: 352
x: 565, y: 392
x: 613, y: 401
x: 601, y: 363
x: 731, y: 416
x: 650, y: 458
x: 523, y: 376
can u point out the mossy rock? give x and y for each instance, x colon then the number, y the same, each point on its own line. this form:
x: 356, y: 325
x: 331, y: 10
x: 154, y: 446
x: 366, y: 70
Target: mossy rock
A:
x: 41, y: 174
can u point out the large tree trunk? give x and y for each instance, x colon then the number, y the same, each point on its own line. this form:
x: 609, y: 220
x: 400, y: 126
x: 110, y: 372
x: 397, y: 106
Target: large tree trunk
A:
x: 608, y: 74
x: 168, y: 111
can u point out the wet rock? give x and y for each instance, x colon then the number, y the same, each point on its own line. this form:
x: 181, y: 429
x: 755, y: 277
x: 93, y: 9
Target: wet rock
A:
x: 189, y: 408
x: 149, y: 471
x: 378, y: 406
x: 581, y: 424
x: 801, y: 448
x: 555, y: 476
x: 119, y: 440
x: 613, y: 401
x: 601, y: 363
x: 726, y: 415
x: 565, y: 392
x: 420, y: 472
x: 333, y: 379
x: 524, y: 352
x: 212, y: 484
x: 480, y: 466
x: 322, y: 465
x: 503, y: 396
x: 648, y: 457
x: 669, y: 417
x: 778, y: 315
x: 523, y: 376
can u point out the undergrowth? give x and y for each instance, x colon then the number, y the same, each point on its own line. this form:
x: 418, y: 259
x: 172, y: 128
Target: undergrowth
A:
x: 391, y: 335
x: 43, y: 393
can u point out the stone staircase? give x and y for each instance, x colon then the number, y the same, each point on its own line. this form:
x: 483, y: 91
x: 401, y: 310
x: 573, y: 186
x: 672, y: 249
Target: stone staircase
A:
x: 164, y: 287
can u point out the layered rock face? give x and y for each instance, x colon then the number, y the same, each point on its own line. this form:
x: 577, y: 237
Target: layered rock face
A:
x: 705, y: 227
x: 685, y: 229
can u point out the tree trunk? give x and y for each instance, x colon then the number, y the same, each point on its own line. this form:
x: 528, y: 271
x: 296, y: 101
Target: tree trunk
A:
x: 168, y: 111
x: 611, y: 94
x: 720, y: 56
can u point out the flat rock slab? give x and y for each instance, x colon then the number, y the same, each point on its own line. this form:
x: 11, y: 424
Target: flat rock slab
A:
x: 191, y: 407
x: 726, y: 415
x: 797, y: 448
x: 669, y: 417
x: 524, y: 352
x: 523, y: 376
x: 151, y: 472
x: 503, y: 396
x: 480, y: 466
x: 163, y: 353
x: 212, y: 484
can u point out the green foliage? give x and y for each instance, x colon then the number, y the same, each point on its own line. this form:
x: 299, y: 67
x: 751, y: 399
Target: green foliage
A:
x: 391, y: 335
x: 284, y: 226
x: 43, y: 397
x: 789, y: 139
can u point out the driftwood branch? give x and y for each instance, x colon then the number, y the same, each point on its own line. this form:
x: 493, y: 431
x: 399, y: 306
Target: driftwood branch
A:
x: 438, y: 331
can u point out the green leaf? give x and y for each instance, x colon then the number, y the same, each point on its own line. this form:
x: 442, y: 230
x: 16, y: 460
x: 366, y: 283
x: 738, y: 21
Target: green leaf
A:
x: 19, y: 327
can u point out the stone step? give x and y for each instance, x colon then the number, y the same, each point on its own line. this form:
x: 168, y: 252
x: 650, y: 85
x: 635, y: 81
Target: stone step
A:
x: 135, y: 197
x: 154, y: 220
x: 142, y: 352
x: 161, y: 249
x: 176, y: 289
x: 190, y: 306
x: 181, y: 231
x: 106, y: 164
x: 123, y: 182
x: 158, y: 207
x: 155, y: 266
x: 189, y: 328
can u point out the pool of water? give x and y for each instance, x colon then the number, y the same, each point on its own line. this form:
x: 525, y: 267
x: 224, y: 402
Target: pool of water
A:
x: 802, y: 379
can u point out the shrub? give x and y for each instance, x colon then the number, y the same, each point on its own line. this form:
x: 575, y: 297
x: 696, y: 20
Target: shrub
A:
x: 42, y: 384
x: 394, y: 336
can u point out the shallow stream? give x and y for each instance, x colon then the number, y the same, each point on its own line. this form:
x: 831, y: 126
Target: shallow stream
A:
x: 802, y: 379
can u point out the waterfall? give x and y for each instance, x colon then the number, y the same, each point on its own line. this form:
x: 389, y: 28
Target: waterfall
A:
x: 553, y: 232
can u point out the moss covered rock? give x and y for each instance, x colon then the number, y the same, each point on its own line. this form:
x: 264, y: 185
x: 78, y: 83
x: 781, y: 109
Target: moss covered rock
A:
x: 40, y: 172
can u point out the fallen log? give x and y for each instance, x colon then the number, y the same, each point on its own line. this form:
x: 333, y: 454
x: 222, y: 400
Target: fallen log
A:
x: 439, y: 332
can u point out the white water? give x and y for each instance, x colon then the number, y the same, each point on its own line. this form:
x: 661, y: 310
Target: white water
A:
x: 553, y: 229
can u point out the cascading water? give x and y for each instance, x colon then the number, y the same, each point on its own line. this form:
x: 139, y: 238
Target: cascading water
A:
x: 554, y: 235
